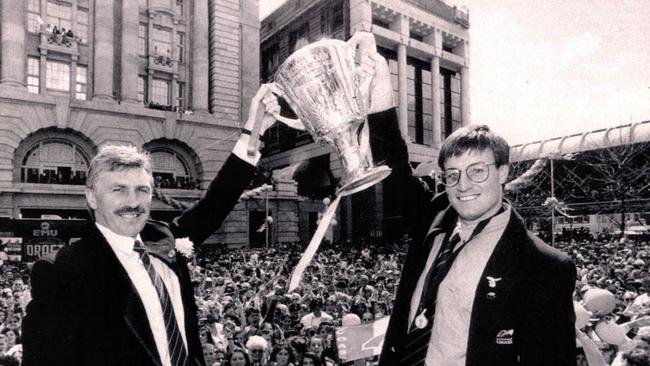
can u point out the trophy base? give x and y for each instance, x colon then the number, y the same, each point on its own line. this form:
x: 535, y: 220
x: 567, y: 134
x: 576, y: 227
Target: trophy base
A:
x: 370, y: 178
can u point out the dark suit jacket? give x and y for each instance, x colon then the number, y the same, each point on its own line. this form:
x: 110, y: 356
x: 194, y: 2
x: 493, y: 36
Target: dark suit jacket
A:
x: 85, y: 309
x: 533, y: 297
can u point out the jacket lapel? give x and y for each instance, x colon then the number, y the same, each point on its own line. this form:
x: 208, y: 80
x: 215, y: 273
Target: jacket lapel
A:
x: 132, y: 310
x: 136, y: 319
x: 498, y: 282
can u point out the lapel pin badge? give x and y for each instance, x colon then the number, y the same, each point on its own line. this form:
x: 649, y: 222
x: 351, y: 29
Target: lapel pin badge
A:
x: 421, y: 320
x: 172, y: 253
x: 491, y: 296
x: 492, y: 281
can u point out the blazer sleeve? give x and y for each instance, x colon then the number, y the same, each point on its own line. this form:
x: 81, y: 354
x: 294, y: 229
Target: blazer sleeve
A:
x: 415, y: 200
x: 206, y: 216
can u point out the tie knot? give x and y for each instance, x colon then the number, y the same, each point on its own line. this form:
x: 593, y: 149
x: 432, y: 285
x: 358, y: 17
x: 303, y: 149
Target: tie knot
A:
x: 139, y: 247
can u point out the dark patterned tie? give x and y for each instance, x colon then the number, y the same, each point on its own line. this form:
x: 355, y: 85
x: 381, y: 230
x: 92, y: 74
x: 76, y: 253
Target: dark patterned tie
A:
x: 416, y: 344
x: 417, y: 339
x: 177, y: 352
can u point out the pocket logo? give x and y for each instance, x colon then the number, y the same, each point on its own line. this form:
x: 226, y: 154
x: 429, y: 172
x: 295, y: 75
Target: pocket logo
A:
x: 505, y: 336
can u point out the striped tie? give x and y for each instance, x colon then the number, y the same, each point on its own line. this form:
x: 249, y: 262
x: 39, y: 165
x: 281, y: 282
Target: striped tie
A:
x: 417, y: 339
x: 177, y: 352
x: 416, y: 342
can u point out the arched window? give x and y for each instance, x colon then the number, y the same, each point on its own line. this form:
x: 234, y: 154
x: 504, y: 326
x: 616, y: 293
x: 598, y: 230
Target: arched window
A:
x: 170, y: 170
x: 54, y: 161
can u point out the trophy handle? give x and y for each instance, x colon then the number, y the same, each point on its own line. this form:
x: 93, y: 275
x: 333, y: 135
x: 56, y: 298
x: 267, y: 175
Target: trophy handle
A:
x: 258, y: 114
x: 365, y: 42
x: 294, y: 123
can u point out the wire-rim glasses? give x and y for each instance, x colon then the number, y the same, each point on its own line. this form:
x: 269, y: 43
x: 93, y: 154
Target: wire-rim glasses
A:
x: 477, y: 173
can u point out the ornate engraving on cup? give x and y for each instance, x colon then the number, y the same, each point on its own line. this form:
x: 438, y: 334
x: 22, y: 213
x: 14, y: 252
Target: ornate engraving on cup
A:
x: 319, y: 83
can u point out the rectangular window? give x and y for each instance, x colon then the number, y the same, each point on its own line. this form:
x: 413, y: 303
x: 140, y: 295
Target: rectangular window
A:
x: 57, y: 76
x: 270, y: 61
x: 82, y: 25
x: 33, y: 75
x: 160, y: 91
x: 34, y: 20
x: 179, y: 7
x: 180, y: 46
x: 181, y: 97
x: 142, y: 89
x: 162, y: 42
x: 301, y: 32
x: 142, y: 39
x: 59, y: 15
x: 81, y: 88
x: 337, y: 18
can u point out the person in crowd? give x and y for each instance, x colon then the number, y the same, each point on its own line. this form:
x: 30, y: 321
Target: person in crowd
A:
x: 282, y: 356
x: 110, y: 297
x: 479, y: 289
x: 310, y: 359
x: 257, y: 347
x: 239, y: 357
x: 219, y: 358
x: 316, y: 315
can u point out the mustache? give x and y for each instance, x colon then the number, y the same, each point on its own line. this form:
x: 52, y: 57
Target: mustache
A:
x: 130, y: 210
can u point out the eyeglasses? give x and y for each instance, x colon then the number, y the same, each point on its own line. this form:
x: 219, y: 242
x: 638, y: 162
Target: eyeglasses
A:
x: 477, y: 173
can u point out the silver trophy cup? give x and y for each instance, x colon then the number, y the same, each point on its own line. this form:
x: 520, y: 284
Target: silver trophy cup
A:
x: 321, y: 85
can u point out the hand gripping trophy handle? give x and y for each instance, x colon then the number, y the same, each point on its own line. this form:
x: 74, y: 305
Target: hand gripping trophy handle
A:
x: 325, y: 88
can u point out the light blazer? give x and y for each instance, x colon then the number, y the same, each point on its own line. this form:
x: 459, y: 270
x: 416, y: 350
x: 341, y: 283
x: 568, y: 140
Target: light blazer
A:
x: 85, y: 309
x: 527, y: 319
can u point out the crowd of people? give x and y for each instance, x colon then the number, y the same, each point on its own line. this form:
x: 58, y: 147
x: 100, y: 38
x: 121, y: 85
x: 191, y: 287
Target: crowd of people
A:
x: 248, y: 318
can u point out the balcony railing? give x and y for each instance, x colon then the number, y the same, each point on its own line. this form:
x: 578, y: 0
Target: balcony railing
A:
x: 58, y: 41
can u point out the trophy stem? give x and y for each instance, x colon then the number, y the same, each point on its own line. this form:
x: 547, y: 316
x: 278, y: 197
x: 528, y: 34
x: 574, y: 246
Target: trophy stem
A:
x: 359, y: 172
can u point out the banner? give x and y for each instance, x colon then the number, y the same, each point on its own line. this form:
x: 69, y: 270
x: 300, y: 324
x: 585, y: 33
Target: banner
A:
x: 40, y: 237
x: 361, y: 341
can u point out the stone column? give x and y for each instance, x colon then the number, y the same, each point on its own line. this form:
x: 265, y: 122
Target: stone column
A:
x: 12, y: 72
x: 464, y: 96
x: 42, y: 69
x: 249, y: 55
x: 360, y: 16
x: 103, y: 73
x: 464, y: 85
x: 435, y: 39
x: 129, y: 59
x: 436, y: 110
x: 200, y: 64
x: 401, y: 26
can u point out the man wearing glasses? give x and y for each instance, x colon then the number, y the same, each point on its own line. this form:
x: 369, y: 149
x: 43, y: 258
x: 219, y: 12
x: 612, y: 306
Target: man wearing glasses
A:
x: 477, y: 288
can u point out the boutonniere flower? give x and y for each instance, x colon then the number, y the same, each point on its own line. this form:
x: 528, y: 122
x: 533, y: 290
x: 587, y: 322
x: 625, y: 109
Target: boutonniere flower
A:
x: 185, y: 247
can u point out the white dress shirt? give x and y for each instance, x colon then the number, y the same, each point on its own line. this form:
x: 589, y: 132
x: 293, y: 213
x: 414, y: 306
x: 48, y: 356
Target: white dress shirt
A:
x: 455, y: 298
x: 123, y: 248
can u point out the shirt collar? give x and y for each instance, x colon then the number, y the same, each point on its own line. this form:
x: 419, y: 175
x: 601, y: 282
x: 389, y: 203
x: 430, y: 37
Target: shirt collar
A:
x: 497, y: 221
x: 121, y: 243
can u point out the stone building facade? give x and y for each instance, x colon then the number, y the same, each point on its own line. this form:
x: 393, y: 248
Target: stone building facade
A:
x: 416, y: 36
x: 172, y: 76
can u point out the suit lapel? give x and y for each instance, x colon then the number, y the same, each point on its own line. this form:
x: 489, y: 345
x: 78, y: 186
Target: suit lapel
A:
x: 132, y: 310
x: 498, y: 282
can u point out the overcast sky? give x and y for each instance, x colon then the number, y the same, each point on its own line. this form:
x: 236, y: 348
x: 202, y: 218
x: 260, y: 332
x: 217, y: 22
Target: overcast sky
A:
x: 542, y: 69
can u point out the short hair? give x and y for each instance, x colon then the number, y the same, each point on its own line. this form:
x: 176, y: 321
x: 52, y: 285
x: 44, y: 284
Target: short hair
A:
x: 247, y: 357
x: 251, y: 310
x: 257, y: 341
x: 111, y: 158
x: 315, y: 303
x: 277, y: 349
x: 474, y: 138
x: 312, y: 356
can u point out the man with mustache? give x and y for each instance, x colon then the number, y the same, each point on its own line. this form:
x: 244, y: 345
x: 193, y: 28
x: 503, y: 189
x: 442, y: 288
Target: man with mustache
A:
x: 122, y: 294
